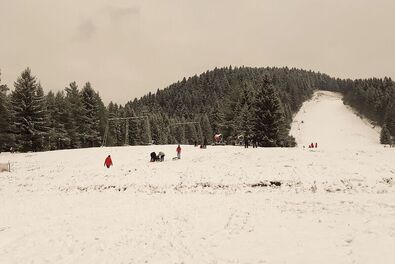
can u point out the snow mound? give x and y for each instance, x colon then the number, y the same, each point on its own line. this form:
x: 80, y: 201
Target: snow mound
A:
x: 326, y: 120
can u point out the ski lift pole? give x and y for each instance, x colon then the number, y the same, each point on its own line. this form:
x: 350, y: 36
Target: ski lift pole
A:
x: 127, y: 133
x: 105, y: 135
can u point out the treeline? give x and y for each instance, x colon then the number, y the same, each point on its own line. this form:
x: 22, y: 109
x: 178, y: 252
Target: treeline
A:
x: 372, y: 98
x: 33, y: 121
x: 240, y: 102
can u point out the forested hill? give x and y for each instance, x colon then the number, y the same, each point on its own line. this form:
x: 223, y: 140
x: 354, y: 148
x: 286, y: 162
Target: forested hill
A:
x: 222, y: 101
x: 239, y: 102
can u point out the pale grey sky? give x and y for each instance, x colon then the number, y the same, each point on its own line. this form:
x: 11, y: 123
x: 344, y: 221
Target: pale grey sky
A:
x: 128, y: 48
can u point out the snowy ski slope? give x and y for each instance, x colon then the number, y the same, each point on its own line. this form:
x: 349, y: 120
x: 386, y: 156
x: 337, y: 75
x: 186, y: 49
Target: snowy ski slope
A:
x: 336, y: 203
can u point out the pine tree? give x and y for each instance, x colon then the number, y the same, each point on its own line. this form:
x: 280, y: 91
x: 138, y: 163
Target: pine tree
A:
x: 102, y: 116
x: 59, y: 117
x: 199, y: 132
x: 90, y: 128
x: 145, y: 129
x: 206, y: 129
x: 385, y: 136
x: 268, y: 117
x: 165, y: 137
x: 112, y: 125
x: 246, y: 123
x: 134, y: 128
x: 40, y: 141
x: 6, y: 136
x: 154, y: 128
x: 217, y: 119
x: 76, y: 113
x: 51, y: 122
x: 190, y: 133
x: 178, y: 131
x: 29, y: 109
x: 390, y: 117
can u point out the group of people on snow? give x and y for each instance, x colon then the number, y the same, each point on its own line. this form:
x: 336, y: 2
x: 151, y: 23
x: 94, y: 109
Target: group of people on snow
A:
x: 160, y: 157
x: 203, y: 145
x: 247, y: 143
x: 312, y: 145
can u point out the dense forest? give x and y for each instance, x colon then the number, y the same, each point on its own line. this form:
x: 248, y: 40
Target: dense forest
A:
x: 238, y: 102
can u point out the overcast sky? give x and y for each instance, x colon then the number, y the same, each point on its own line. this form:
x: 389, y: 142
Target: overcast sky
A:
x: 128, y: 48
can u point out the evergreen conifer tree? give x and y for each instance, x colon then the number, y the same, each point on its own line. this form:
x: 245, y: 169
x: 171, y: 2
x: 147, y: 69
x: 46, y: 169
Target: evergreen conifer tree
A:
x: 6, y: 136
x: 90, y: 132
x: 217, y: 119
x: 190, y: 134
x: 385, y: 136
x: 268, y: 117
x: 28, y: 104
x: 145, y: 129
x: 206, y: 129
x: 59, y: 117
x: 76, y: 115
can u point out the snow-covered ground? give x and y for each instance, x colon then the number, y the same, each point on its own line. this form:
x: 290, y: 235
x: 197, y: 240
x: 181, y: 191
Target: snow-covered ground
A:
x: 336, y: 203
x: 327, y: 121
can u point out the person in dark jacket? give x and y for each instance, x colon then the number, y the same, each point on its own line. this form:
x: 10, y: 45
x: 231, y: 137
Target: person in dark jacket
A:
x: 108, y: 162
x: 153, y: 157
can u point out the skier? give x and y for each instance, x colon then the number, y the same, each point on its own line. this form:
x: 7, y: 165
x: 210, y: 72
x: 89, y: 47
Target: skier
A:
x: 205, y: 142
x: 108, y: 162
x: 161, y: 156
x: 178, y: 152
x: 316, y: 145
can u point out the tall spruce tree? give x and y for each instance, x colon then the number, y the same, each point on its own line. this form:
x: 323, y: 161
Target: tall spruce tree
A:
x: 90, y: 132
x: 206, y: 129
x: 6, y: 136
x: 246, y: 122
x: 59, y: 117
x: 76, y: 115
x: 134, y: 128
x: 112, y: 125
x: 385, y: 136
x: 390, y: 117
x: 268, y: 117
x: 190, y: 133
x: 145, y: 130
x: 28, y: 104
x: 217, y: 119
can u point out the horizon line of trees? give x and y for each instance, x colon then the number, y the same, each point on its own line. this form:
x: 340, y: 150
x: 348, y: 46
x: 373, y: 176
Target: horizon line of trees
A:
x: 241, y: 102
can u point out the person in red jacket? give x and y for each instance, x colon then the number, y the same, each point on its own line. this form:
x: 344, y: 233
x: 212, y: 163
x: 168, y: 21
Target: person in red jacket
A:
x: 108, y: 162
x: 178, y: 152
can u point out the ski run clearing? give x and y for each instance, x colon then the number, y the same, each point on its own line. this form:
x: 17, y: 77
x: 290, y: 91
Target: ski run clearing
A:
x: 223, y: 204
